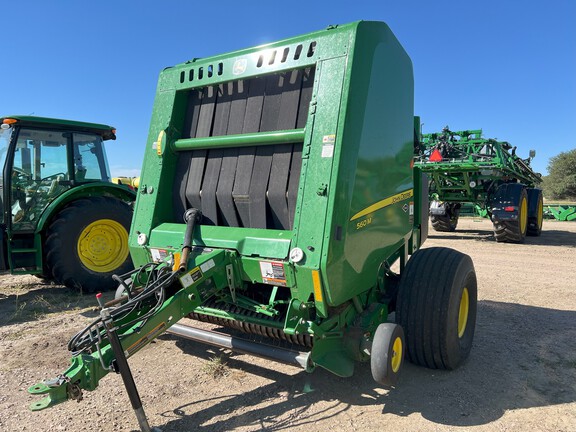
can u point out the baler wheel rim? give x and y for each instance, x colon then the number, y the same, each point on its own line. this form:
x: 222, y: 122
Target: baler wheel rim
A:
x: 397, y: 350
x: 463, y: 312
x: 387, y: 353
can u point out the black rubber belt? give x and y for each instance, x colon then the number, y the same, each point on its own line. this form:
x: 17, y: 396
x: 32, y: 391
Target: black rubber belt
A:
x: 259, y: 186
x: 209, y: 206
x: 195, y: 176
x: 225, y: 186
x: 293, y: 182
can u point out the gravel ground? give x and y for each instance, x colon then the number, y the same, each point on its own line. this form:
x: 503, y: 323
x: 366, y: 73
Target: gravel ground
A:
x: 521, y: 374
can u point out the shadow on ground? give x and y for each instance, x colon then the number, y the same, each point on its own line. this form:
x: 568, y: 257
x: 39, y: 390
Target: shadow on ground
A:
x: 519, y: 360
x: 34, y: 301
x: 547, y: 238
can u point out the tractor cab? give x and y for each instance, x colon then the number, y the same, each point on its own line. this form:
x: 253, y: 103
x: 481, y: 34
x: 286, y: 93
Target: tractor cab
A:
x: 42, y: 159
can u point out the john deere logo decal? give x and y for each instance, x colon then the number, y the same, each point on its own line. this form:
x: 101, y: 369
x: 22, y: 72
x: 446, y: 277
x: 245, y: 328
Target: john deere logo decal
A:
x: 239, y: 66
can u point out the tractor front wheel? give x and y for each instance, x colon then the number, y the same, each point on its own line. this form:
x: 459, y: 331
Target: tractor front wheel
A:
x: 437, y: 300
x: 88, y: 242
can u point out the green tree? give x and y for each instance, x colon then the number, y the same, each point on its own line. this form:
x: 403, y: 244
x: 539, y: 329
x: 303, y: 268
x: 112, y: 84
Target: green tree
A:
x: 560, y: 183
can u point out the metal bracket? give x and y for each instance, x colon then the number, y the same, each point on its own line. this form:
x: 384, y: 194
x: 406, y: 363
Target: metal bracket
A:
x: 231, y: 284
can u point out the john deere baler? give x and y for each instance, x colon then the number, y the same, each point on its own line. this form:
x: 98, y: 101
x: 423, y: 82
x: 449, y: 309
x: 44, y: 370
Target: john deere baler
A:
x: 276, y: 195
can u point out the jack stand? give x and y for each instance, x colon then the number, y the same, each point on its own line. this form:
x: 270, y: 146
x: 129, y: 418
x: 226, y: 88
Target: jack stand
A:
x: 124, y: 369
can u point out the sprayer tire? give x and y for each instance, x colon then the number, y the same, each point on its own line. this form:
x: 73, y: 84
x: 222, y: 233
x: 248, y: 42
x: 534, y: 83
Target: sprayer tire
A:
x: 514, y: 231
x: 87, y: 242
x: 437, y: 302
x: 535, y: 221
x: 446, y: 222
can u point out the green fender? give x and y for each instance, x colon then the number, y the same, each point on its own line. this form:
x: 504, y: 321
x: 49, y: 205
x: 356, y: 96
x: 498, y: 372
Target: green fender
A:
x: 88, y: 190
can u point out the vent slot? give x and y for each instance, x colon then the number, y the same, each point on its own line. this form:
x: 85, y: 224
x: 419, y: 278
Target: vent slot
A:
x: 275, y: 102
x: 200, y: 72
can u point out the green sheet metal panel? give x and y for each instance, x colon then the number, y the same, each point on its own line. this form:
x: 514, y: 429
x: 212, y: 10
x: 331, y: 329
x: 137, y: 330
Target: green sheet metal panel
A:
x: 370, y: 210
x: 354, y: 203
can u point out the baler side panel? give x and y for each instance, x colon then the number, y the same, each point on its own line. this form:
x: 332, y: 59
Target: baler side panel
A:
x: 374, y: 165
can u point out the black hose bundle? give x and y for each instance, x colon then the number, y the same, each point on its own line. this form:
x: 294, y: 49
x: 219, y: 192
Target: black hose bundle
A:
x: 158, y: 279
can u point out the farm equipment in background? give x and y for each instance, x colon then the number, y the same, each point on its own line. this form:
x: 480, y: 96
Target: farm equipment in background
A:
x: 277, y: 193
x: 61, y: 217
x: 131, y: 182
x: 463, y: 167
x: 560, y: 212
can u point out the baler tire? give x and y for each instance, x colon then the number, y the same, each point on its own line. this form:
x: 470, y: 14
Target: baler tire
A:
x: 437, y: 302
x: 534, y: 228
x: 514, y: 231
x: 87, y: 242
x: 387, y: 354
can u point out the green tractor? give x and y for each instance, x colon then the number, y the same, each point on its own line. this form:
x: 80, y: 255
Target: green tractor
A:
x: 466, y: 168
x: 62, y: 218
x: 278, y: 201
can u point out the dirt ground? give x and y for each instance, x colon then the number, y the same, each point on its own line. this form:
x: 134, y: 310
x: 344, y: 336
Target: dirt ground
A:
x: 521, y: 374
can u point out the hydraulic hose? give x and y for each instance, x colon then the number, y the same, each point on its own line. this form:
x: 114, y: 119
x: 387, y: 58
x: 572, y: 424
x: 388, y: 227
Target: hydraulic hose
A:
x: 191, y: 217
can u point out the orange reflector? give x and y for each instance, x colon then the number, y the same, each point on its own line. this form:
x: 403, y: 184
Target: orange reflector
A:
x: 176, y: 265
x: 9, y: 121
x: 436, y: 156
x: 510, y: 209
x: 317, y: 286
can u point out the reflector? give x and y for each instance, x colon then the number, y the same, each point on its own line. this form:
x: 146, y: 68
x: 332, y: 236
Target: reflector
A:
x: 435, y: 156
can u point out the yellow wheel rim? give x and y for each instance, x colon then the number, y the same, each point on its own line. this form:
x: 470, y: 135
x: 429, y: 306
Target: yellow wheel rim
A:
x: 540, y: 215
x: 396, y: 355
x: 463, y: 312
x: 523, y: 216
x: 103, y: 246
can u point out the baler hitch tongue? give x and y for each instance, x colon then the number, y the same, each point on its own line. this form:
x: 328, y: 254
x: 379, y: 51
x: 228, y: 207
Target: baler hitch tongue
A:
x: 57, y: 390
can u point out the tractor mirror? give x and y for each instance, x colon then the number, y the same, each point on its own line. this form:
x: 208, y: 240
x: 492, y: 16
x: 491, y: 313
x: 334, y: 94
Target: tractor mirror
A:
x: 532, y: 154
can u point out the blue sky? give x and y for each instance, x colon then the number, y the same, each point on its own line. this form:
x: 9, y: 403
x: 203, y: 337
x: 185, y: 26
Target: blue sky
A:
x: 508, y: 67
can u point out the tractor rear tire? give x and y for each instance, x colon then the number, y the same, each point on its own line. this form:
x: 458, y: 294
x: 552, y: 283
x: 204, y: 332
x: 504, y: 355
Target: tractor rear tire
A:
x: 437, y: 302
x: 535, y: 212
x: 387, y: 354
x: 446, y: 222
x: 514, y: 231
x: 87, y: 243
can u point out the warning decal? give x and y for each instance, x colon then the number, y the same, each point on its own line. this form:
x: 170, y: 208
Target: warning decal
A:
x: 273, y: 273
x: 191, y: 277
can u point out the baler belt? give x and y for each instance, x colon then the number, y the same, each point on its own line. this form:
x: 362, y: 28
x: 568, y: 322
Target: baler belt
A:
x: 277, y: 184
x: 240, y: 193
x: 259, y: 186
x: 225, y: 186
x: 209, y: 206
x: 254, y: 186
x: 195, y: 177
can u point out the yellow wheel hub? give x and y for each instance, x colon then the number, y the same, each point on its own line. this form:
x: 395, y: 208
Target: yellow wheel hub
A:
x: 463, y: 312
x: 540, y: 215
x: 523, y: 216
x: 396, y: 355
x: 103, y: 245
